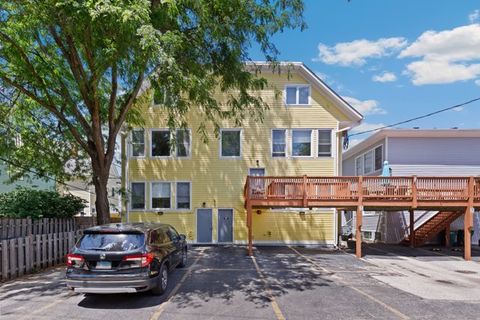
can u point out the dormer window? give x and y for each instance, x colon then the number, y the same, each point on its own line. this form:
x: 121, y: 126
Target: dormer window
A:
x: 297, y: 95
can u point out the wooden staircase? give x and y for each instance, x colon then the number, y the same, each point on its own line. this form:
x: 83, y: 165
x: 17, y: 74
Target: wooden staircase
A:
x: 433, y: 226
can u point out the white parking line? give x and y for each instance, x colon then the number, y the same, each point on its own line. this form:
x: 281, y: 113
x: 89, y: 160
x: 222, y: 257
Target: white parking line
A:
x: 273, y: 302
x: 343, y: 282
x: 158, y: 312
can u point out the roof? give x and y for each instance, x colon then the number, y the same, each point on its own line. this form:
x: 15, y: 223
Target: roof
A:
x: 353, y: 115
x: 410, y: 133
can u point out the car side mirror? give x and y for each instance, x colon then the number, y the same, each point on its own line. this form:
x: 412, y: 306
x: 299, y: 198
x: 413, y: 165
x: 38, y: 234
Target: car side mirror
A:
x: 182, y: 237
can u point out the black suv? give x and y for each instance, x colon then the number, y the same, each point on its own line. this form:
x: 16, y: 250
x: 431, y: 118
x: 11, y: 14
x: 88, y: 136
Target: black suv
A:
x: 118, y: 258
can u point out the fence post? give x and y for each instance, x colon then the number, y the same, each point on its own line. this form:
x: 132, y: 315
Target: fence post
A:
x: 38, y: 255
x: 55, y: 248
x: 21, y: 255
x: 44, y: 251
x: 5, y: 264
x: 13, y: 258
x: 28, y: 254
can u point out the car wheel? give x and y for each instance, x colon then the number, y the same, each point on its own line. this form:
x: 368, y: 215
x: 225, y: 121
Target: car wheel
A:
x: 162, y: 281
x: 183, y: 259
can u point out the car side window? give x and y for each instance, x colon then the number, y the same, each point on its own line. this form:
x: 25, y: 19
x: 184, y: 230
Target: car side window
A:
x: 172, y: 233
x: 158, y: 237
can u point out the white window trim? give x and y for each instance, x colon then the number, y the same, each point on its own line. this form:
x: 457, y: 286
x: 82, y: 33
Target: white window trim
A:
x: 189, y: 156
x: 130, y: 194
x: 312, y: 153
x: 151, y: 144
x: 362, y: 155
x: 151, y: 195
x: 286, y: 143
x: 241, y: 140
x: 332, y: 143
x: 176, y: 196
x: 297, y: 86
x: 130, y: 144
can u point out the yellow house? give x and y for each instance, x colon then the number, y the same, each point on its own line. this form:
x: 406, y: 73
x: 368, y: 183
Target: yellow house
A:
x: 198, y: 187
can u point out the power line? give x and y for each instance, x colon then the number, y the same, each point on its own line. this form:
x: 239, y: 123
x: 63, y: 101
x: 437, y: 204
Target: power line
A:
x: 416, y: 118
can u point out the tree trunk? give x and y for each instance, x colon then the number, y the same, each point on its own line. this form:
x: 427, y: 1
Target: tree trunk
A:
x: 102, y: 205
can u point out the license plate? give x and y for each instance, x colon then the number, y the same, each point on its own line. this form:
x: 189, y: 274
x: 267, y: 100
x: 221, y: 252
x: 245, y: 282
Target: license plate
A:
x: 103, y: 265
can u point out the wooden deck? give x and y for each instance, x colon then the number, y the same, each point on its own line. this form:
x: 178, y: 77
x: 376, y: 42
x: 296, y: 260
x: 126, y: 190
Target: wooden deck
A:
x: 365, y: 193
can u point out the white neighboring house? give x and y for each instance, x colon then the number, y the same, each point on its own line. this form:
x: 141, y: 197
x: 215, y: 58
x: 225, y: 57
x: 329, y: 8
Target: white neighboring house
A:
x: 86, y: 190
x: 435, y: 152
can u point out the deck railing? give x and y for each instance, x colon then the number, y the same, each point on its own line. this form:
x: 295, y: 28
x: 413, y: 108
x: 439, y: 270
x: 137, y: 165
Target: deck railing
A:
x: 370, y: 188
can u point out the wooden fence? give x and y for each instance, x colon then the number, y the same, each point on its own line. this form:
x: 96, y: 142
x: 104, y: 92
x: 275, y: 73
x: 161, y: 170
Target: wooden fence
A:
x: 25, y: 255
x: 17, y: 228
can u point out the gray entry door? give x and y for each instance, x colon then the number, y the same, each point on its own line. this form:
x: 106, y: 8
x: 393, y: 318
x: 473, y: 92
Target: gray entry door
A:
x: 204, y: 225
x: 225, y: 225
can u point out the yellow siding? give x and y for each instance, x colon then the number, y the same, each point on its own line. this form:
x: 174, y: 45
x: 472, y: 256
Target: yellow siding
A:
x: 218, y: 183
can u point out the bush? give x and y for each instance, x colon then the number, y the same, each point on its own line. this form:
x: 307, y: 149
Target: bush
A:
x: 36, y: 204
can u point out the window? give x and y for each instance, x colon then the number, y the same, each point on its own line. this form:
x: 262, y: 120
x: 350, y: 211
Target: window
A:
x: 279, y: 144
x: 137, y: 196
x: 138, y: 143
x: 160, y: 143
x: 163, y: 96
x: 302, y: 143
x: 173, y: 234
x: 230, y: 144
x: 368, y: 162
x: 324, y: 143
x: 378, y: 158
x: 256, y: 172
x: 158, y: 237
x: 182, y: 143
x: 359, y: 166
x: 297, y: 95
x: 183, y: 195
x: 161, y: 195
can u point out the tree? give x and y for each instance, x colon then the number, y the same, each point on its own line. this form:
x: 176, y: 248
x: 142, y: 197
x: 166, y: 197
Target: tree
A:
x: 79, y: 66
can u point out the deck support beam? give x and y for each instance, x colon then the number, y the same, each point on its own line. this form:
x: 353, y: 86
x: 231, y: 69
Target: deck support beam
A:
x: 358, y: 232
x: 468, y: 221
x: 412, y: 228
x: 249, y: 227
x: 447, y: 236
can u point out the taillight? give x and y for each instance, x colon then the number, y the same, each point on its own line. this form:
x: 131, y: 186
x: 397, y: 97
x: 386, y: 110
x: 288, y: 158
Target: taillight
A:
x: 74, y: 260
x: 142, y: 259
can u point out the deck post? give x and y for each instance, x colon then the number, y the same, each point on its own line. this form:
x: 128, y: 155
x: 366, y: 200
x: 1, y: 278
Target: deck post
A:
x: 358, y: 220
x: 468, y: 222
x: 447, y: 236
x: 412, y: 228
x: 249, y: 226
x: 304, y: 190
x: 358, y: 232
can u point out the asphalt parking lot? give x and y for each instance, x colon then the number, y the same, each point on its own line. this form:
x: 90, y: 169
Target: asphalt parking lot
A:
x: 279, y: 283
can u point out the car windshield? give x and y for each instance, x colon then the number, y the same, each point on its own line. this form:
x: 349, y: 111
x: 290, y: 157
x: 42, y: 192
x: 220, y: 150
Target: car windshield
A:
x: 111, y: 242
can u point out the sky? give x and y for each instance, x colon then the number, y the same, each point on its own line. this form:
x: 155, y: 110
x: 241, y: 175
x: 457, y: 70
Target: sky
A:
x: 393, y: 60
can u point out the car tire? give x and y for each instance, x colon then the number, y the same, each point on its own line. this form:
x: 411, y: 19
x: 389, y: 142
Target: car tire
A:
x: 183, y: 259
x: 162, y: 281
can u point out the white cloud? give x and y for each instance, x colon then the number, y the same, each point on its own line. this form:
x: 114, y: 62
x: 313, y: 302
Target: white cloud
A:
x: 365, y: 106
x: 474, y: 16
x: 438, y: 72
x: 357, y: 51
x: 446, y: 56
x: 458, y: 109
x: 385, y: 77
